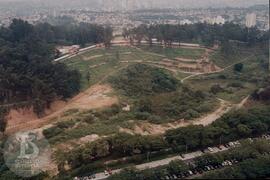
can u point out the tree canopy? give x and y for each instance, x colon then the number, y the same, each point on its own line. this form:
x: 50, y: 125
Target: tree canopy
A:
x: 27, y: 72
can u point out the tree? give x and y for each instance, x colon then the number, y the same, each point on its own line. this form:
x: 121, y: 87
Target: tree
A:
x: 216, y: 88
x: 3, y: 120
x: 208, y: 159
x: 88, y: 77
x: 127, y: 174
x: 177, y: 167
x: 238, y: 67
x: 27, y: 72
x: 244, y: 130
x: 107, y: 36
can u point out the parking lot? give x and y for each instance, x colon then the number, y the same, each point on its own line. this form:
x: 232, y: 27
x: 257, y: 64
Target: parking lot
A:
x: 187, y: 158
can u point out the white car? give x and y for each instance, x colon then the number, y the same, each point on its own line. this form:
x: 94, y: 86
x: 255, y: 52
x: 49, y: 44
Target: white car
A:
x: 106, y: 173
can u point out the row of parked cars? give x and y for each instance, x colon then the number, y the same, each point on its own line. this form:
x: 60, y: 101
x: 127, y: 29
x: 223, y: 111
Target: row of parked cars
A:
x: 266, y: 136
x: 197, y: 170
x: 90, y: 177
x: 225, y: 163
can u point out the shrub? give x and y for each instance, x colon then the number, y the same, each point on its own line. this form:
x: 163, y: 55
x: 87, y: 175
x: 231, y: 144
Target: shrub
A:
x: 65, y: 124
x: 216, y: 89
x: 141, y: 79
x: 191, y: 114
x: 154, y: 118
x: 142, y: 115
x: 52, y: 131
x: 238, y: 67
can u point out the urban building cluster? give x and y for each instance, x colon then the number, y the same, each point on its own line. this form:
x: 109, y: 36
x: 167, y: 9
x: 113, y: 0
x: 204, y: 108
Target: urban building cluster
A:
x: 249, y: 17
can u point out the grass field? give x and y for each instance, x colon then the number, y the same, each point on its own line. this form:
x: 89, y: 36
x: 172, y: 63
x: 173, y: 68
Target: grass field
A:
x: 102, y: 62
x: 176, y: 52
x: 236, y: 85
x: 238, y: 54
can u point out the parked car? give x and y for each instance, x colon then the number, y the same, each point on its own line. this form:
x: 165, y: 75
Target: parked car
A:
x: 182, y: 155
x: 106, y: 173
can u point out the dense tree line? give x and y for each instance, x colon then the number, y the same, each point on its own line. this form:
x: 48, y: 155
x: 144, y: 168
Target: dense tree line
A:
x: 249, y: 169
x: 245, y: 155
x: 81, y: 34
x: 120, y: 144
x: 27, y: 72
x: 232, y: 126
x: 199, y: 33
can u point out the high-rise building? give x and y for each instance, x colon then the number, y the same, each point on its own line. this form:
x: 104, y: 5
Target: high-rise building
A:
x: 251, y: 20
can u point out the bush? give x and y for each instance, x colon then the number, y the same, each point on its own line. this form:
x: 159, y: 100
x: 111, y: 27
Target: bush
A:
x: 52, y: 131
x: 191, y: 114
x: 142, y: 115
x: 141, y: 80
x: 154, y: 118
x: 238, y: 67
x: 222, y: 76
x: 235, y: 85
x: 216, y: 89
x: 66, y: 124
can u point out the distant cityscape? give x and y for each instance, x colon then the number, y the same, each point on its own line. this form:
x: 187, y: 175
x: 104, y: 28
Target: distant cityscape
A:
x: 252, y: 16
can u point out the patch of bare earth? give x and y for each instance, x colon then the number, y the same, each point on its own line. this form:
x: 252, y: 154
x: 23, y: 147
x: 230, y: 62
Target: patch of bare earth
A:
x: 93, y: 98
x: 71, y: 144
x: 146, y: 128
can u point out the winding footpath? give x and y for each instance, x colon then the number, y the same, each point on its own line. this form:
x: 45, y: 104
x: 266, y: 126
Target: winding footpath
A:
x: 214, y: 72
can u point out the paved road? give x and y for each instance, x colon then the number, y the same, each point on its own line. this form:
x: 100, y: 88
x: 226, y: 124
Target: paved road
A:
x: 186, y: 157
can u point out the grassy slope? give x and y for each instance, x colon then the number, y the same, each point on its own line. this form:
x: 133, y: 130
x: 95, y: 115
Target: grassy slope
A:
x: 252, y: 69
x: 251, y: 78
x: 84, y: 61
x: 176, y: 52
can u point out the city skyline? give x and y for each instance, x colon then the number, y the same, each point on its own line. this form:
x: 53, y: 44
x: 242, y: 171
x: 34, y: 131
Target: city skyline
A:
x: 137, y: 4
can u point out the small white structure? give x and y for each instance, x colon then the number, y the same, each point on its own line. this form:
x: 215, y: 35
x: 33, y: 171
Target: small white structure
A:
x: 68, y: 49
x: 251, y: 20
x: 218, y: 20
x: 126, y: 108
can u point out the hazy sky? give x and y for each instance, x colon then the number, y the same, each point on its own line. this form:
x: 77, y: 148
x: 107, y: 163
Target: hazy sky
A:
x: 146, y: 3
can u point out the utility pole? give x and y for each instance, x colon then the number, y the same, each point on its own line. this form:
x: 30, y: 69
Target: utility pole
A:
x: 148, y: 155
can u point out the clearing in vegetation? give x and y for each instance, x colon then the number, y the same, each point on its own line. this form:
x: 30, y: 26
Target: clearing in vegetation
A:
x: 230, y: 84
x: 99, y: 62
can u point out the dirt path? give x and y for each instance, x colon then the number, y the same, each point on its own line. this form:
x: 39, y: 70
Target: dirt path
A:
x: 146, y: 128
x: 91, y: 57
x: 243, y: 102
x: 93, y: 98
x: 224, y: 107
x: 213, y: 72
